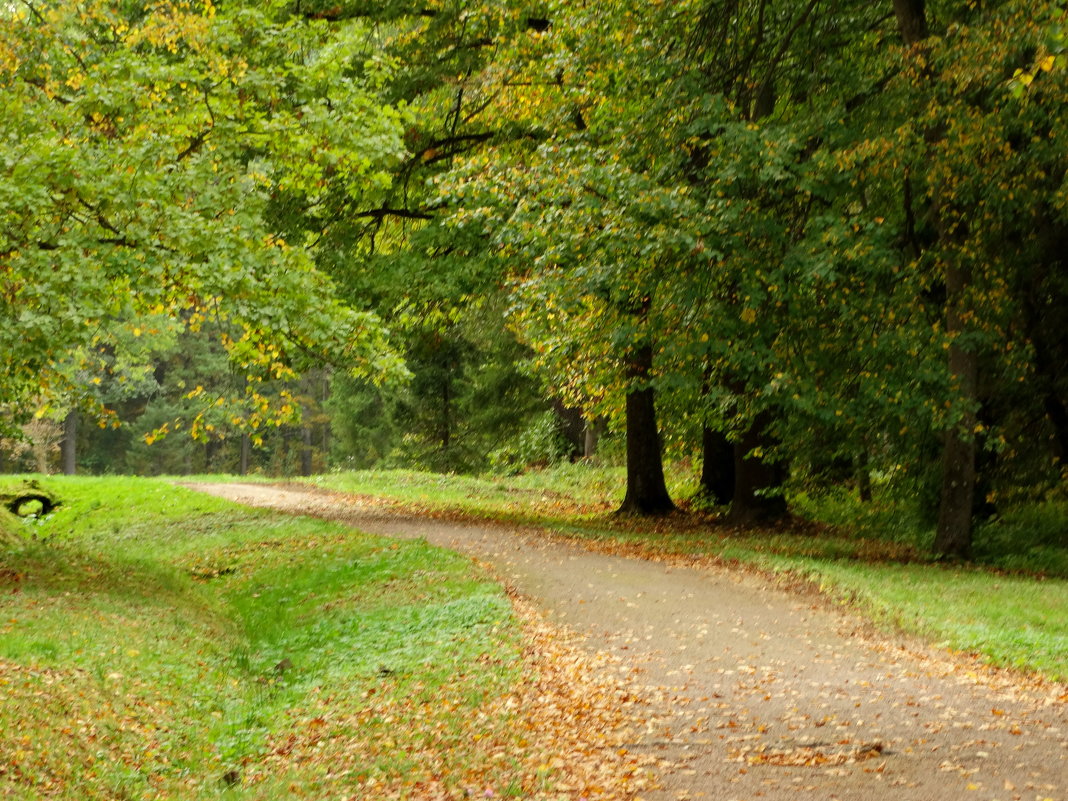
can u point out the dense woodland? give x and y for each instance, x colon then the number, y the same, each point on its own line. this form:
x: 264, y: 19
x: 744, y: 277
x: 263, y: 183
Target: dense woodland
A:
x: 800, y: 244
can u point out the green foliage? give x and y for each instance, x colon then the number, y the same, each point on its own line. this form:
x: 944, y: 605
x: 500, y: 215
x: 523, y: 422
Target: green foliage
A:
x: 784, y: 205
x: 1031, y: 537
x: 151, y: 145
x: 467, y: 393
x: 10, y: 529
x: 540, y: 444
x: 364, y: 429
x: 777, y: 198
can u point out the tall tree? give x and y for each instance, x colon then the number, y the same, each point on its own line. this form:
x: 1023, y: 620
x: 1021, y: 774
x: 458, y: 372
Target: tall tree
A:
x: 986, y: 185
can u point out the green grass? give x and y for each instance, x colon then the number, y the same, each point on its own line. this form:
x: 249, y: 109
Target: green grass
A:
x: 561, y: 494
x: 158, y: 643
x: 1011, y: 608
x: 1011, y: 620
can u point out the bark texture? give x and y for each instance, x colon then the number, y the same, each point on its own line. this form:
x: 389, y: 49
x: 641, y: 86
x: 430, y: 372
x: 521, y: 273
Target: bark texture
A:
x: 758, y: 478
x: 911, y: 20
x: 953, y: 538
x: 646, y: 490
x: 717, y: 467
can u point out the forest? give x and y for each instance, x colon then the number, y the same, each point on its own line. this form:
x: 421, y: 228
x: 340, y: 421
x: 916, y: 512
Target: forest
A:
x: 791, y: 246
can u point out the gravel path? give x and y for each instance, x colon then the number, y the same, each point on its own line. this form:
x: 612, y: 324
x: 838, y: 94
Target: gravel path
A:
x: 756, y: 692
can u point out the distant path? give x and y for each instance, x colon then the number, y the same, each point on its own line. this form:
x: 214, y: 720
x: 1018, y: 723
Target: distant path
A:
x: 755, y: 692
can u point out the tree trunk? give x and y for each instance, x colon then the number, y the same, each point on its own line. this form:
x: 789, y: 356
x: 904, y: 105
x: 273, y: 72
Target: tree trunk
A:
x: 69, y: 446
x: 1057, y: 414
x: 306, y: 447
x: 717, y: 467
x: 954, y: 534
x: 911, y: 20
x: 324, y: 439
x: 591, y: 435
x: 40, y: 457
x: 246, y: 448
x: 953, y: 538
x: 1042, y: 328
x: 864, y: 478
x: 758, y: 479
x: 572, y: 424
x: 646, y: 490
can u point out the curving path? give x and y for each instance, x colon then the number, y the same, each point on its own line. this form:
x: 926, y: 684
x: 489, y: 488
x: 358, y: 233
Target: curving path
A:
x: 754, y: 692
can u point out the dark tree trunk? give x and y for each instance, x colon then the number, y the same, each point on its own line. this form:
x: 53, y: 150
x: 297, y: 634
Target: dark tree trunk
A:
x: 572, y: 424
x: 69, y: 447
x: 911, y: 20
x: 953, y: 539
x: 211, y: 447
x: 1044, y: 330
x: 1057, y: 413
x: 246, y: 448
x: 646, y: 490
x: 758, y: 479
x: 717, y: 467
x: 864, y: 478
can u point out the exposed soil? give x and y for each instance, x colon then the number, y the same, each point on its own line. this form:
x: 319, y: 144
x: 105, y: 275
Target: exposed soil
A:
x: 756, y: 691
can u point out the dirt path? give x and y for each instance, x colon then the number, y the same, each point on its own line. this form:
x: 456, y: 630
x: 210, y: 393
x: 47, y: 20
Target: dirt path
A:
x: 758, y: 693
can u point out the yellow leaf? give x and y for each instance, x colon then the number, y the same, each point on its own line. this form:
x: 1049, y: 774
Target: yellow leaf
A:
x: 749, y: 315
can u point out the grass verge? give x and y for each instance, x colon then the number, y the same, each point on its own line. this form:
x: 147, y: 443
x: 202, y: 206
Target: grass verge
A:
x: 1010, y: 611
x: 158, y: 643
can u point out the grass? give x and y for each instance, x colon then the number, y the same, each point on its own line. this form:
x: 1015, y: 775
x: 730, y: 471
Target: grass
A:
x: 1010, y: 608
x: 563, y: 494
x: 158, y: 643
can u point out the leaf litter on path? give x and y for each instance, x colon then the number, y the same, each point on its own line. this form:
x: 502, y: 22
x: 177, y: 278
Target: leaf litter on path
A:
x: 756, y: 691
x: 562, y: 733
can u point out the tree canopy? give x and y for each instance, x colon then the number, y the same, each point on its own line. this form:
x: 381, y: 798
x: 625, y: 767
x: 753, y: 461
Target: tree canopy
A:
x: 807, y: 242
x: 146, y: 147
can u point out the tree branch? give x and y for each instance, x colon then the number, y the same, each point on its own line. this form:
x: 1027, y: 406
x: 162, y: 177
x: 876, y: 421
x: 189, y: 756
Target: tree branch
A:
x: 405, y: 214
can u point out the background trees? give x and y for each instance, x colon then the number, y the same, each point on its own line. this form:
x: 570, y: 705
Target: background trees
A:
x: 810, y: 244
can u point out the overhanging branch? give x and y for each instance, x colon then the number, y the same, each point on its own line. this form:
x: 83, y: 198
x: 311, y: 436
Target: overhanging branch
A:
x: 405, y: 214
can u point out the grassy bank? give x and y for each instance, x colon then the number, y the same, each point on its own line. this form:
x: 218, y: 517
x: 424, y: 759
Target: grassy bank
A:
x: 1012, y: 609
x: 158, y: 643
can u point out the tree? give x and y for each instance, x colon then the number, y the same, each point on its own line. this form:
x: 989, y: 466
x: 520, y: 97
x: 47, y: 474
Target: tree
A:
x: 988, y: 185
x: 151, y: 146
